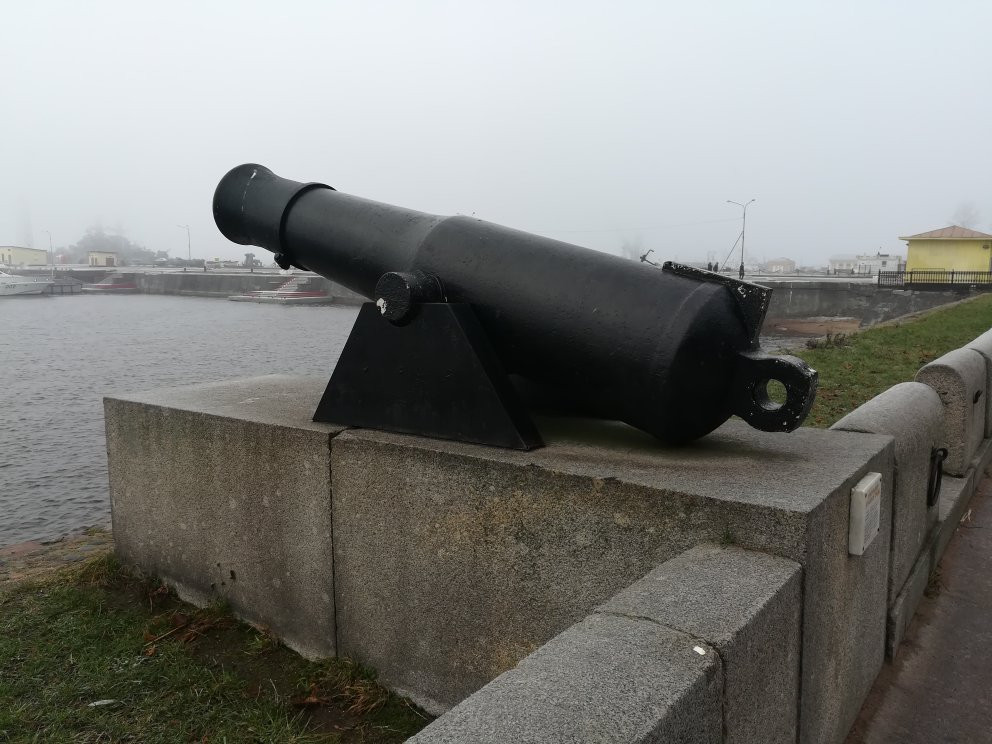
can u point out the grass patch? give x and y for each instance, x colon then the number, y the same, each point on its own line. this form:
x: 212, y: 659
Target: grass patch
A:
x: 97, y: 654
x: 864, y: 364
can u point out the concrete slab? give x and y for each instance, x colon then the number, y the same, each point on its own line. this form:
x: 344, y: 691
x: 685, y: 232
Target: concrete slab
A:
x: 901, y: 610
x: 912, y: 413
x: 983, y: 345
x: 277, y: 400
x: 606, y: 679
x: 223, y: 490
x: 959, y: 379
x: 955, y: 495
x: 746, y: 606
x: 453, y: 561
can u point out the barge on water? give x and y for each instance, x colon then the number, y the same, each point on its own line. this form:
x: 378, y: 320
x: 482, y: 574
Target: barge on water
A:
x: 291, y: 292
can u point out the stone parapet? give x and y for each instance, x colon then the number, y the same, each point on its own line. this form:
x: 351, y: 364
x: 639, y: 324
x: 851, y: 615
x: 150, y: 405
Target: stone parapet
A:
x: 745, y: 605
x: 605, y: 679
x: 959, y: 378
x: 983, y: 345
x: 674, y: 657
x: 913, y: 415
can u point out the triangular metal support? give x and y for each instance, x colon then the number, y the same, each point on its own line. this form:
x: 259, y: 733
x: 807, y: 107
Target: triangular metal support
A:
x: 436, y: 375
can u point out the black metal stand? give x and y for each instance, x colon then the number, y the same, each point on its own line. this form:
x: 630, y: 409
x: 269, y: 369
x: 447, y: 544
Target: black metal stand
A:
x: 436, y: 375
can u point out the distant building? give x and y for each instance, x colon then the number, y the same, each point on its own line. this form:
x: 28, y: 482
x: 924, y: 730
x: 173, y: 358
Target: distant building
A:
x: 866, y: 264
x: 871, y: 265
x: 780, y: 266
x: 12, y: 255
x: 950, y: 248
x: 843, y: 263
x: 223, y: 263
x: 101, y: 258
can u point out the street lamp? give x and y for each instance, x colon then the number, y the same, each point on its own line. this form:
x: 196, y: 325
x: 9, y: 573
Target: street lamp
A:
x: 51, y: 251
x: 189, y: 253
x: 743, y: 228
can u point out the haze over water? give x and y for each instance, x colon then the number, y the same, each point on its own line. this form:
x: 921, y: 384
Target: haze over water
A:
x: 59, y: 356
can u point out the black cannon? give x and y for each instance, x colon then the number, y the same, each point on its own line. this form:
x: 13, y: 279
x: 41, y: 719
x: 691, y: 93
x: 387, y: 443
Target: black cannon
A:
x: 468, y: 319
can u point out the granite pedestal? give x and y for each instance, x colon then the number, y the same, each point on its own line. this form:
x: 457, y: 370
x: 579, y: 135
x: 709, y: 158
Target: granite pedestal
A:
x: 223, y: 491
x: 453, y: 562
x: 443, y: 565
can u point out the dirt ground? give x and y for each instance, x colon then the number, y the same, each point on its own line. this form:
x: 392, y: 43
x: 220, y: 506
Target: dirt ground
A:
x: 36, y: 558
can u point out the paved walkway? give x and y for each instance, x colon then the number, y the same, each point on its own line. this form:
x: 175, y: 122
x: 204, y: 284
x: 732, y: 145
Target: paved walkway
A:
x: 939, y: 690
x: 30, y: 559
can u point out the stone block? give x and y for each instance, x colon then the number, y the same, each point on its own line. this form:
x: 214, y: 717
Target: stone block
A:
x: 904, y: 606
x: 913, y: 415
x: 958, y: 377
x: 223, y: 491
x: 955, y: 495
x: 983, y: 345
x: 747, y: 607
x: 605, y: 679
x: 455, y: 561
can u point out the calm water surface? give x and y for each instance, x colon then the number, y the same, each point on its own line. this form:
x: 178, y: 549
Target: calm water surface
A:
x: 60, y: 355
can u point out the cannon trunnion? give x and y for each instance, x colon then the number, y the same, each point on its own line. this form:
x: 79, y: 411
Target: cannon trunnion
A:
x: 469, y: 319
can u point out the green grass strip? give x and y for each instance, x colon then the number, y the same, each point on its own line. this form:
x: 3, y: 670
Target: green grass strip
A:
x: 869, y: 362
x: 99, y: 655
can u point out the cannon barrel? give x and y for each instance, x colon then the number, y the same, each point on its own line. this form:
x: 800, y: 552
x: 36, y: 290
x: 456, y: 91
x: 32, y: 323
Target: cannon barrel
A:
x: 673, y: 352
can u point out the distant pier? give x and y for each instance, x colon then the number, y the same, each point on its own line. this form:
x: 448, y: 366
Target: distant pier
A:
x: 64, y: 286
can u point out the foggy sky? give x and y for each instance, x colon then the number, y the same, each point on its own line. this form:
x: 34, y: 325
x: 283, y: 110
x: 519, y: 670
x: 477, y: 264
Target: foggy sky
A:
x: 850, y: 123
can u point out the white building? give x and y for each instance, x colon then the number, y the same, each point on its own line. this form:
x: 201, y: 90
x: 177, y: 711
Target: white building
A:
x: 867, y: 264
x: 102, y: 258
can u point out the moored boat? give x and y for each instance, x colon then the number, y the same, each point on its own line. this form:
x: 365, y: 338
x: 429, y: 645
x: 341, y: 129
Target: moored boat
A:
x: 113, y: 284
x: 20, y: 286
x: 292, y: 292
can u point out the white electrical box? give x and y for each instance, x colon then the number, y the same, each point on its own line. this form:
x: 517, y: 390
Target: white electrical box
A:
x: 866, y: 513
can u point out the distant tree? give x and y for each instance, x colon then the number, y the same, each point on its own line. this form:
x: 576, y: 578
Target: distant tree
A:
x: 966, y: 215
x: 632, y: 249
x: 127, y: 252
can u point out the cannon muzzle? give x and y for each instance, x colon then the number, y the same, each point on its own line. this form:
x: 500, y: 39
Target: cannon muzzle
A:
x: 673, y: 352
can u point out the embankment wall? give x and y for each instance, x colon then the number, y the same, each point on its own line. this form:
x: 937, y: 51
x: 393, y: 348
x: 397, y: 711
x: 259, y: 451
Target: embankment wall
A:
x: 869, y: 303
x: 197, y: 283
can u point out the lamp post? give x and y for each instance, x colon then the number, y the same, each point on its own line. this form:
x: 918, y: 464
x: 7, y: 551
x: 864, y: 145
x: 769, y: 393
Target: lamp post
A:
x: 51, y: 251
x: 743, y: 228
x: 189, y: 252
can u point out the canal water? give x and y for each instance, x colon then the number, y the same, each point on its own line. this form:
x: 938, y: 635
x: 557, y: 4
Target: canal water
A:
x: 60, y: 355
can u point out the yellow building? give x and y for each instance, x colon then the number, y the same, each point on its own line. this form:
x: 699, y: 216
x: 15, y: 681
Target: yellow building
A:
x: 951, y: 249
x: 101, y: 258
x: 12, y: 255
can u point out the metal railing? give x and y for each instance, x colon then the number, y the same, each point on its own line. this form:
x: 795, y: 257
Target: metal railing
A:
x: 932, y: 278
